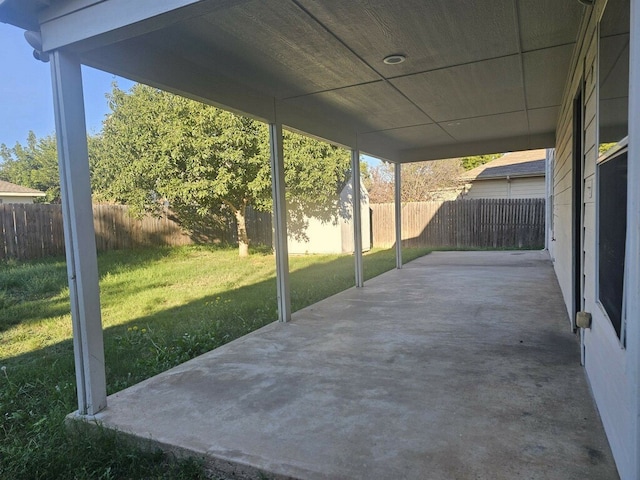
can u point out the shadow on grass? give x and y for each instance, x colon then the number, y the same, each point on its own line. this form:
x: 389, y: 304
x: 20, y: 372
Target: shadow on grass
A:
x: 153, y: 343
x: 37, y: 290
x: 37, y: 389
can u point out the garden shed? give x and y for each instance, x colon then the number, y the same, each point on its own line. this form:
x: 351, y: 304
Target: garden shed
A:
x: 335, y: 235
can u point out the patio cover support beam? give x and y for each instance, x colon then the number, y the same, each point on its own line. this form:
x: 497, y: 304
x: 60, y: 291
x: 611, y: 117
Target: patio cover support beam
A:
x: 280, y: 222
x: 63, y: 24
x: 632, y: 252
x: 356, y: 198
x: 79, y: 233
x: 397, y: 203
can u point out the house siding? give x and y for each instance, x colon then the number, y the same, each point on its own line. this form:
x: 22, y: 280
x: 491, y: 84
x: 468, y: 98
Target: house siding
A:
x: 487, y: 189
x: 604, y: 358
x: 501, y: 188
x: 12, y: 199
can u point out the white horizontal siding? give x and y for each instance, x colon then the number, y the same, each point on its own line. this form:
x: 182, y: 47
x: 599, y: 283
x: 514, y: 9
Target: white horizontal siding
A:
x: 605, y: 359
x: 527, y: 188
x: 9, y: 199
x: 488, y: 189
x: 502, y: 188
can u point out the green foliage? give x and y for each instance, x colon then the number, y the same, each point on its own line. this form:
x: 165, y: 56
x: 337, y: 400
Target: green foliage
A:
x: 160, y: 307
x: 469, y: 163
x: 605, y: 147
x: 34, y: 165
x: 157, y: 147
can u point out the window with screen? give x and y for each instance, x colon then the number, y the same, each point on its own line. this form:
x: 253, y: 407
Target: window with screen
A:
x: 612, y: 232
x: 613, y: 101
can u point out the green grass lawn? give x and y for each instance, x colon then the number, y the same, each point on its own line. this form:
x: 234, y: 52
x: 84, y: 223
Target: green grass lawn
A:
x: 160, y: 307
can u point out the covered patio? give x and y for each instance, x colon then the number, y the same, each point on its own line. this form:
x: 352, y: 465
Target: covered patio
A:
x: 459, y: 366
x: 429, y: 372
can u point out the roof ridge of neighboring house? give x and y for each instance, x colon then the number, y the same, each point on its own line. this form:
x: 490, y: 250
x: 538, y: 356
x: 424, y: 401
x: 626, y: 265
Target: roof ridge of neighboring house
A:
x: 19, y: 190
x: 529, y: 163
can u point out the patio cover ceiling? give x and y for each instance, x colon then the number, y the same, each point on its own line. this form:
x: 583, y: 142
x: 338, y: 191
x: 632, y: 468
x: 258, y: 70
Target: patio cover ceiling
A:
x: 479, y: 76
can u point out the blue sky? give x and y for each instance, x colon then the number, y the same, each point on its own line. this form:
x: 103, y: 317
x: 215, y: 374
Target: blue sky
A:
x: 26, y: 101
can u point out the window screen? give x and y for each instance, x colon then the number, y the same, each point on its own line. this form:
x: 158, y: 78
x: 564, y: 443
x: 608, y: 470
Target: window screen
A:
x: 612, y: 230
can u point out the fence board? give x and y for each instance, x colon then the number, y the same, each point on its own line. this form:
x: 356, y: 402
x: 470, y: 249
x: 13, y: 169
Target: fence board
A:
x: 484, y: 223
x: 29, y: 231
x: 34, y: 230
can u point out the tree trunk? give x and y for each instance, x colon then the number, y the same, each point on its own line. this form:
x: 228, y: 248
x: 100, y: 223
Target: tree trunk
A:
x: 243, y: 238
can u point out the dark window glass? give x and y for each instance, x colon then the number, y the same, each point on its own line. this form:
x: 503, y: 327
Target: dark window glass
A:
x: 612, y: 211
x: 613, y: 74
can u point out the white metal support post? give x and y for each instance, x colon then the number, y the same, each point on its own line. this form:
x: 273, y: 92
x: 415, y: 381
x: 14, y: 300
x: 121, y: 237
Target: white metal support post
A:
x: 632, y: 250
x: 356, y: 198
x: 79, y: 233
x: 280, y: 222
x: 397, y: 201
x: 547, y: 196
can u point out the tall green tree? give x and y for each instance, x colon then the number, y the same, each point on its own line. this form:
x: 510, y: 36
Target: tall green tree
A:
x: 157, y: 147
x: 34, y: 165
x: 469, y: 163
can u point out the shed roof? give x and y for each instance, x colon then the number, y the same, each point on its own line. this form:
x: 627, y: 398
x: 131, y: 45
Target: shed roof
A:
x: 530, y: 163
x: 479, y: 77
x: 8, y: 188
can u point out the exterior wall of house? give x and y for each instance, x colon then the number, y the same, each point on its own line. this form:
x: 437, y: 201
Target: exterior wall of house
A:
x: 487, y: 189
x: 12, y: 199
x: 531, y: 187
x: 605, y: 360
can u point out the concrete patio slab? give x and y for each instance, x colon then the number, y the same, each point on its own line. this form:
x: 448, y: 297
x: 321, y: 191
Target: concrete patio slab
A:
x: 459, y: 366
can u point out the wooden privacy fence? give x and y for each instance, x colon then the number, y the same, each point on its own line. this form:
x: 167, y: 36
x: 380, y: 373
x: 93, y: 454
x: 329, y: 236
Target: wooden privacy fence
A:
x: 504, y: 223
x: 29, y: 231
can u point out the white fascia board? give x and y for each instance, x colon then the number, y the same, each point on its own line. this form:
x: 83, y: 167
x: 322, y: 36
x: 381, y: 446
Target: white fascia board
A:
x: 65, y: 26
x: 499, y: 145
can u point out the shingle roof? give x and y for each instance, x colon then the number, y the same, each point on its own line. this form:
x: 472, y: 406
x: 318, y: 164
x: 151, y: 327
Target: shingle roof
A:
x: 13, y: 189
x: 530, y: 163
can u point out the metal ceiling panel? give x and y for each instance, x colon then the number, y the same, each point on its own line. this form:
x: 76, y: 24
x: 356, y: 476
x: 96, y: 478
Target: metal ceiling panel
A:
x: 543, y: 120
x: 481, y: 70
x: 417, y: 135
x: 431, y: 33
x: 373, y: 106
x: 547, y: 23
x: 404, y: 138
x: 477, y: 89
x: 271, y: 46
x: 545, y: 72
x: 492, y: 126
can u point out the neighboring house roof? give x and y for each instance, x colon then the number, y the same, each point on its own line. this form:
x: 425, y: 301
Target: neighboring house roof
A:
x: 530, y: 163
x: 11, y: 189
